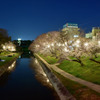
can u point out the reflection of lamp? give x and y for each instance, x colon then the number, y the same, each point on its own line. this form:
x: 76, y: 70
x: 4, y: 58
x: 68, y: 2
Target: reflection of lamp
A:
x: 11, y: 67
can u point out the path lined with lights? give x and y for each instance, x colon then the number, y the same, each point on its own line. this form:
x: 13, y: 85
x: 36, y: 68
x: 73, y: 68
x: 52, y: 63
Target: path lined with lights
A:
x: 91, y: 85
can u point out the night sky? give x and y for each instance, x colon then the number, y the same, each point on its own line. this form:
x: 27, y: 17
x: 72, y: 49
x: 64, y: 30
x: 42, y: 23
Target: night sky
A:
x: 27, y: 19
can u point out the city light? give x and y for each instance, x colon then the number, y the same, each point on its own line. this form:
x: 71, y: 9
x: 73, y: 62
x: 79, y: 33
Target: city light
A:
x: 76, y: 36
x: 19, y: 39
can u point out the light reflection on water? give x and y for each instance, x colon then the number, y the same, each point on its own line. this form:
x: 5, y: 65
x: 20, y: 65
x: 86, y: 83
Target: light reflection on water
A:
x: 6, y: 71
x: 41, y: 76
x: 39, y: 73
x: 19, y: 80
x: 12, y: 66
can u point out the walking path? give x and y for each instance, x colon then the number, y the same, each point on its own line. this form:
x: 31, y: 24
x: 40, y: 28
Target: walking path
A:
x: 91, y: 85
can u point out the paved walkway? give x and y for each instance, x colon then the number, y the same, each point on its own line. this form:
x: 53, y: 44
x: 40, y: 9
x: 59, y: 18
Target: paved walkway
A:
x: 91, y: 85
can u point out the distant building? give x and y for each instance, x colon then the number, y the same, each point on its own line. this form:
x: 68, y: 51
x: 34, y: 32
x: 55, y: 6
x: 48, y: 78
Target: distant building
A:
x: 70, y: 25
x: 19, y: 41
x: 71, y: 29
x: 88, y: 35
x: 96, y: 33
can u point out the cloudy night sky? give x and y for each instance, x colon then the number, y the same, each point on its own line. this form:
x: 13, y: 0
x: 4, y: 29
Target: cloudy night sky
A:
x: 27, y: 19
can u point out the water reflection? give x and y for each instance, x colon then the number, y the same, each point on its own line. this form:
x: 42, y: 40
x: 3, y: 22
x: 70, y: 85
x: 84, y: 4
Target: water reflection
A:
x: 12, y: 67
x: 25, y: 55
x: 4, y: 79
x: 39, y: 73
x: 41, y: 76
x: 6, y: 71
x: 21, y: 83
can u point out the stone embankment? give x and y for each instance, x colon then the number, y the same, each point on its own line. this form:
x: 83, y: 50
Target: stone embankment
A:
x: 62, y: 92
x: 91, y: 85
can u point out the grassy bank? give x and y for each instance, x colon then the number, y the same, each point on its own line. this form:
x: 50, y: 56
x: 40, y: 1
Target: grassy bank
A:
x: 90, y: 71
x: 7, y: 59
x: 79, y: 91
x: 49, y: 59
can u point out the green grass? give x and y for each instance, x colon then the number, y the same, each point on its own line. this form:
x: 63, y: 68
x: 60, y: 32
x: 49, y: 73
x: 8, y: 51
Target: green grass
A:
x: 49, y: 59
x: 7, y: 59
x: 79, y: 91
x: 90, y: 71
x: 4, y: 53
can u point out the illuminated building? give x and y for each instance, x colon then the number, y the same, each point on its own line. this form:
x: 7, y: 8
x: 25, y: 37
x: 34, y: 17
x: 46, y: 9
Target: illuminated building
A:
x: 71, y: 29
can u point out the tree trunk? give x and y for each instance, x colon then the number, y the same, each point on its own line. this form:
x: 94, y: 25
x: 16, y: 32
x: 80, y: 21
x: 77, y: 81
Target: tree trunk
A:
x: 94, y: 60
x: 79, y: 61
x: 95, y: 56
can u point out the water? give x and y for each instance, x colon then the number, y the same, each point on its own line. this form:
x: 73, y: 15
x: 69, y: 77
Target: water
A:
x: 19, y: 83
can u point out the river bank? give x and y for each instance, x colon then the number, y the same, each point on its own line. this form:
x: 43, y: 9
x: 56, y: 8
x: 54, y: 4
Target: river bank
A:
x: 62, y: 92
x: 81, y: 92
x: 7, y: 61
